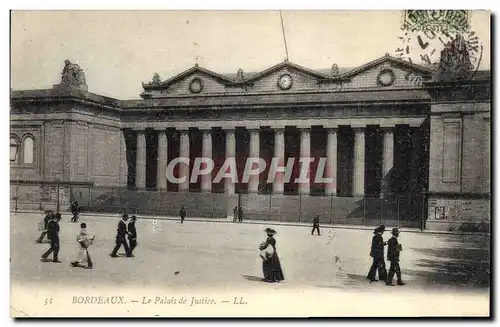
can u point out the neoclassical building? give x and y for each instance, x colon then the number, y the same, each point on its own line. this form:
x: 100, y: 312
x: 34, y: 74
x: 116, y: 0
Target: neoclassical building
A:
x: 388, y: 130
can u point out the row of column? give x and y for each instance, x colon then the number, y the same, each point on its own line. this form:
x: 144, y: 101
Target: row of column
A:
x: 279, y: 153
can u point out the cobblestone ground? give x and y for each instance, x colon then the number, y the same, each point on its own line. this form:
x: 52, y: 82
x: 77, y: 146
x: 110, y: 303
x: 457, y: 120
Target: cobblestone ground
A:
x: 203, y: 254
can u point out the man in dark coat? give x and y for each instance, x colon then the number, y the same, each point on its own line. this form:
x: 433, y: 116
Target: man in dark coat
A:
x: 75, y: 209
x: 235, y: 214
x: 315, y: 225
x: 132, y: 233
x: 49, y: 215
x: 182, y: 214
x: 53, y: 235
x: 121, y: 232
x: 393, y: 250
x: 240, y: 214
x: 377, y: 253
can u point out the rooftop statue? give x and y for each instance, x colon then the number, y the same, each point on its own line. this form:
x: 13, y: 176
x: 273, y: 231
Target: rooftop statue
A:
x: 455, y: 63
x: 239, y: 75
x: 335, y: 70
x: 73, y: 75
x: 156, y: 79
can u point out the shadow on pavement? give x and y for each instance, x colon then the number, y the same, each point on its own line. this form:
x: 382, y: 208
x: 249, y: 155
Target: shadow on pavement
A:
x: 253, y: 278
x: 463, y: 261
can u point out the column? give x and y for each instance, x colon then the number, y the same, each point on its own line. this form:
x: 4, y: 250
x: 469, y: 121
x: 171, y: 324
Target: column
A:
x: 206, y: 152
x: 123, y: 160
x: 161, y: 177
x: 387, y: 158
x: 184, y: 153
x: 279, y: 153
x: 230, y: 153
x: 359, y: 162
x: 253, y: 183
x: 140, y: 161
x: 331, y: 161
x: 415, y: 187
x: 415, y: 158
x: 305, y: 152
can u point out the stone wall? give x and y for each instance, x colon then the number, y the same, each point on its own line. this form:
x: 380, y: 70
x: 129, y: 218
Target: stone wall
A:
x: 459, y: 214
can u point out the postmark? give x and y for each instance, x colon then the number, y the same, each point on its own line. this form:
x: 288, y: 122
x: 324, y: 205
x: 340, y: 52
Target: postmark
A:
x: 442, y: 40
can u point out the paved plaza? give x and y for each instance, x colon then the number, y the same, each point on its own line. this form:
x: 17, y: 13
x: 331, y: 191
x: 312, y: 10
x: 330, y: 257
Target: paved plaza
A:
x: 200, y: 254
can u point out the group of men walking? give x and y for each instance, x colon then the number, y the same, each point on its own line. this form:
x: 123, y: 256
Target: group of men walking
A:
x: 123, y: 231
x: 51, y: 228
x: 238, y: 214
x: 377, y: 253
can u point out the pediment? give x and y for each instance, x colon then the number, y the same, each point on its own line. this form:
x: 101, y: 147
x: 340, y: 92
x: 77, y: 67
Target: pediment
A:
x: 384, y: 72
x: 286, y: 66
x: 196, y: 80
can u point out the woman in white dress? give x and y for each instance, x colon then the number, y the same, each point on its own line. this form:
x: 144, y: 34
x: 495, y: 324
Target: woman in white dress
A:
x: 84, y: 240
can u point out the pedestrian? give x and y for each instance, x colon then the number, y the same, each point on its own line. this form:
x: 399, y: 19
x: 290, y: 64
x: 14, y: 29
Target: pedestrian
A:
x: 49, y: 215
x: 132, y: 233
x: 271, y: 266
x: 84, y: 240
x: 315, y: 225
x: 53, y: 235
x: 75, y: 209
x: 182, y: 214
x: 393, y: 250
x: 235, y: 214
x: 240, y: 214
x: 121, y: 232
x: 377, y: 253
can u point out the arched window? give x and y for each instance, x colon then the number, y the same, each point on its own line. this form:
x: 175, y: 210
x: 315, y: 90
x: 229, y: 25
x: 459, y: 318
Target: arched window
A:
x: 14, y: 149
x: 28, y: 153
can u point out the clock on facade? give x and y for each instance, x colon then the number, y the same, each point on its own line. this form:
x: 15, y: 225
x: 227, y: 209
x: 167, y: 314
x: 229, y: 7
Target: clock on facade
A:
x: 196, y: 85
x: 285, y: 82
x: 386, y: 77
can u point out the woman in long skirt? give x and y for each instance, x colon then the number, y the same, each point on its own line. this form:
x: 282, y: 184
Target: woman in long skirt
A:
x: 271, y: 267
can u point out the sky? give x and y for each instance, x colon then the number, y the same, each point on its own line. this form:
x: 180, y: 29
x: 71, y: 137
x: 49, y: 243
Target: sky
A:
x: 118, y: 50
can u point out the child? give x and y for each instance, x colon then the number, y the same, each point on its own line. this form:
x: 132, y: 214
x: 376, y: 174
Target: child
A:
x: 85, y: 241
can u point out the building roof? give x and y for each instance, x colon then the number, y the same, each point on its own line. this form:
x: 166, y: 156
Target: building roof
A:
x: 322, y: 74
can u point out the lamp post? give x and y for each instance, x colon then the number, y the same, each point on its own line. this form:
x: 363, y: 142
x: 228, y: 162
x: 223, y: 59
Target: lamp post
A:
x: 58, y: 195
x: 14, y: 149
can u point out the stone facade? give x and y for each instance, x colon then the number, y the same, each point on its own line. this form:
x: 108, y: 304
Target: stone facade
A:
x: 382, y: 134
x: 460, y: 162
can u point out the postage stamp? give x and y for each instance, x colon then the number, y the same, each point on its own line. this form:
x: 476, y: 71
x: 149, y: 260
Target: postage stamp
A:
x: 229, y: 164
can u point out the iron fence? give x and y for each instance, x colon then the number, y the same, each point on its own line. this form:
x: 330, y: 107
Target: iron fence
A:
x: 391, y: 209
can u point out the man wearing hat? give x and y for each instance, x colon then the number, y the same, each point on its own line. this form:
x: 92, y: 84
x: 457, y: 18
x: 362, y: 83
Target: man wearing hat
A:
x: 49, y: 215
x: 132, y: 233
x: 393, y: 250
x: 53, y: 235
x: 377, y: 253
x: 315, y: 225
x: 121, y: 232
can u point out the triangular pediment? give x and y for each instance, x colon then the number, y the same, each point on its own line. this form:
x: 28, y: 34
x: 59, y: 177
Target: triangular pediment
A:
x: 195, y: 70
x: 283, y: 66
x: 390, y: 60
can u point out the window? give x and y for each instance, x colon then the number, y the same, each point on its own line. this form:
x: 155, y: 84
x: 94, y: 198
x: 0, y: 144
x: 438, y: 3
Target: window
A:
x: 28, y: 150
x: 14, y: 149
